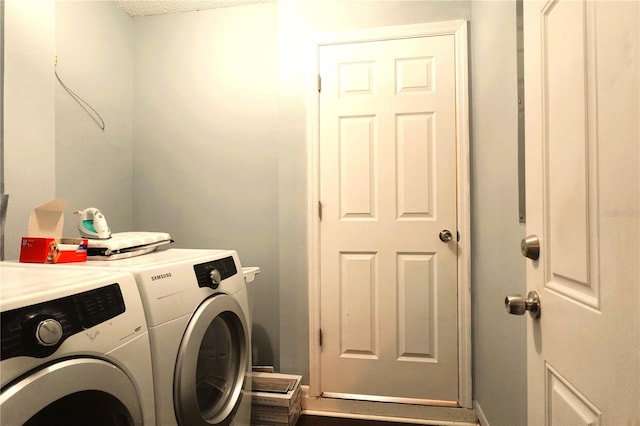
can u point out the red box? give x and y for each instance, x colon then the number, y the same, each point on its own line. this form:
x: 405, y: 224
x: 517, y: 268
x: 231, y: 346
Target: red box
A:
x: 52, y: 250
x: 44, y: 243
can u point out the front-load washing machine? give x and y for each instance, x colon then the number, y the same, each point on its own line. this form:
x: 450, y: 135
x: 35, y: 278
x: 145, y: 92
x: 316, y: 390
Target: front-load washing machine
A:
x: 75, y: 349
x: 199, y: 320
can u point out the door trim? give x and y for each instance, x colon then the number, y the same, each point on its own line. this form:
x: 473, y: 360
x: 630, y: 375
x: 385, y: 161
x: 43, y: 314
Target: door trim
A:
x: 458, y: 29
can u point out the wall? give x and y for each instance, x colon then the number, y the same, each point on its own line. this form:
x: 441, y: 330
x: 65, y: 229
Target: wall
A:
x: 498, y: 269
x: 94, y: 168
x: 29, y: 122
x: 206, y: 150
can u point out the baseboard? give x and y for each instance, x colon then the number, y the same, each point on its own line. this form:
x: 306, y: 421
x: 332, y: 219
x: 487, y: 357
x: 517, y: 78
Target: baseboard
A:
x: 481, y: 417
x: 386, y: 411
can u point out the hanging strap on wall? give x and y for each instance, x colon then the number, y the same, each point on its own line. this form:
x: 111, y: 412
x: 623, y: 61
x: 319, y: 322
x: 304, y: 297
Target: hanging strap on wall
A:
x: 85, y: 105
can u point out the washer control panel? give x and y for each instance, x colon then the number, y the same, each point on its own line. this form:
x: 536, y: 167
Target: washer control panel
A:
x: 39, y: 330
x: 210, y: 274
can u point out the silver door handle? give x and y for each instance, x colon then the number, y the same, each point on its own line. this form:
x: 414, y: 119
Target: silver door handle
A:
x: 445, y: 236
x: 515, y: 304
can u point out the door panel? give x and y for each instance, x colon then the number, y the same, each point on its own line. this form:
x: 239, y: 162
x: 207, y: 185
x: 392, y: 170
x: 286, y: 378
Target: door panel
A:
x: 414, y: 164
x: 570, y: 185
x: 388, y: 187
x: 565, y: 405
x: 583, y: 156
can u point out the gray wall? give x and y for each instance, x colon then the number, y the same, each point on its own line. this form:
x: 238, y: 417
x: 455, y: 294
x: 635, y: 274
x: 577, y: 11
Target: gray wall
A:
x: 29, y: 121
x: 94, y: 168
x: 206, y: 150
x: 498, y: 269
x: 215, y: 148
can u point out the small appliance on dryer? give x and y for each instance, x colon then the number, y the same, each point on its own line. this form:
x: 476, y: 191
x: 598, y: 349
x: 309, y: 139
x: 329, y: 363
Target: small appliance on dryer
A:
x: 75, y: 348
x: 199, y: 320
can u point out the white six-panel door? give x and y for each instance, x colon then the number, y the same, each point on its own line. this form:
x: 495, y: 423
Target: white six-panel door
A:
x: 583, y: 202
x: 388, y: 284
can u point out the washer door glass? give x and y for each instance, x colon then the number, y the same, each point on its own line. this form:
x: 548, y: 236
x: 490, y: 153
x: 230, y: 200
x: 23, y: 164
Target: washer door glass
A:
x: 218, y: 364
x: 212, y: 363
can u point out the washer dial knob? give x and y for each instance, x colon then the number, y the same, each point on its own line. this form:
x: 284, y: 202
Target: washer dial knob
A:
x: 48, y: 332
x: 216, y: 277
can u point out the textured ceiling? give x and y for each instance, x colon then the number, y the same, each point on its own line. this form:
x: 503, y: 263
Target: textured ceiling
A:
x: 159, y: 7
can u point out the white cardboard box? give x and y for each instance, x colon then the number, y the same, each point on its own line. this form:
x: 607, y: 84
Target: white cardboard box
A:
x: 44, y: 242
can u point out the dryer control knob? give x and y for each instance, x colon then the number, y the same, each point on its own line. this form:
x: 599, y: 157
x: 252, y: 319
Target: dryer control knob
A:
x: 48, y: 332
x: 216, y: 277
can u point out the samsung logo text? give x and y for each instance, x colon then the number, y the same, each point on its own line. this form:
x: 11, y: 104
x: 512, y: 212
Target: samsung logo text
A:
x: 160, y: 276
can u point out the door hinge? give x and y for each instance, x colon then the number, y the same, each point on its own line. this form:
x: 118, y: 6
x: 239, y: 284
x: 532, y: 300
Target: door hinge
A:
x: 320, y: 336
x: 319, y: 83
x: 320, y: 210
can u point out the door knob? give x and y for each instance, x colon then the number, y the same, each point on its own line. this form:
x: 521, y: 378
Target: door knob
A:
x: 445, y: 236
x: 530, y: 247
x: 518, y: 305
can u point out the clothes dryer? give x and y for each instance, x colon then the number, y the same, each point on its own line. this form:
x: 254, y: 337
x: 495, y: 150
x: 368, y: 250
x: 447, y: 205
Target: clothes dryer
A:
x: 199, y: 319
x: 75, y: 348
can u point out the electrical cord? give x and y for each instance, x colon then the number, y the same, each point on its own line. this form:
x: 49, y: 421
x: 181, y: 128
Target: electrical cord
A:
x: 85, y: 105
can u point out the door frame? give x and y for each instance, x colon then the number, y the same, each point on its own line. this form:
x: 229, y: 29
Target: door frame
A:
x: 459, y: 30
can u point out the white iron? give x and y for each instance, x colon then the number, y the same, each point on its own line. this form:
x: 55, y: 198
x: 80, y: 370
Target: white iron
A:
x: 92, y: 224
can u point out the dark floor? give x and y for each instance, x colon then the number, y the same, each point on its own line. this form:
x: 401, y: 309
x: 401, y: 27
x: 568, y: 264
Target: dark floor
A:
x: 337, y: 421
